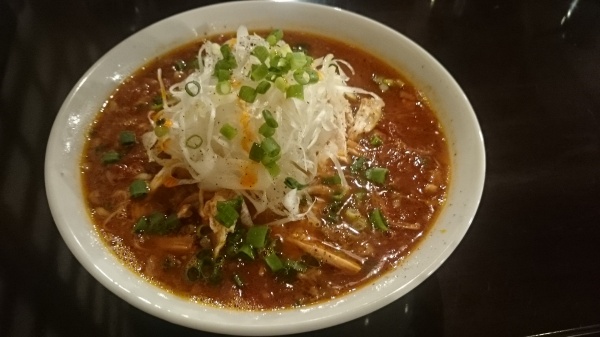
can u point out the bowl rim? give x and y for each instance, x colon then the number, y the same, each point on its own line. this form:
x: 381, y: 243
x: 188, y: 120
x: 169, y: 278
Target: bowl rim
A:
x: 90, y: 251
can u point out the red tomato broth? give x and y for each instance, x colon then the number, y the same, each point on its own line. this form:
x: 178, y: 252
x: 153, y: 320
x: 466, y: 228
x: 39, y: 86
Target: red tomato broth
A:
x: 414, y: 150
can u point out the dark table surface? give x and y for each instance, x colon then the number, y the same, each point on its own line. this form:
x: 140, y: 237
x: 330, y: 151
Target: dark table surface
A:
x: 529, y: 264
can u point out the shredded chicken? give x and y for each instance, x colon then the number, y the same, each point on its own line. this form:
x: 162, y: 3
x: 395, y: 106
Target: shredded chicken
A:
x: 366, y: 118
x: 209, y: 211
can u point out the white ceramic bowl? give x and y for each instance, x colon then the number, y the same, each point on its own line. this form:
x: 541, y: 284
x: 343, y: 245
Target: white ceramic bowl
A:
x: 64, y: 149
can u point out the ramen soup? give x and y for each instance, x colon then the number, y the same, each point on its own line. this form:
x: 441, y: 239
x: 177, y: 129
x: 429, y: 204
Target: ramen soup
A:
x: 262, y: 171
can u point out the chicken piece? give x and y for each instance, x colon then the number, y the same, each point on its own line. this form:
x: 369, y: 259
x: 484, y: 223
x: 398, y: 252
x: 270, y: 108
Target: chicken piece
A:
x: 368, y: 115
x: 209, y: 211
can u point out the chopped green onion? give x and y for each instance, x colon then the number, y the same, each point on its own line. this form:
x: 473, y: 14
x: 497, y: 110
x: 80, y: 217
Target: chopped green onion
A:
x: 110, y: 157
x: 223, y: 87
x: 269, y: 119
x: 270, y: 160
x: 226, y: 51
x: 273, y: 169
x: 247, y: 250
x: 295, y: 91
x: 270, y: 146
x: 192, y: 88
x: 301, y: 76
x: 261, y: 52
x: 281, y: 84
x: 274, y: 37
x: 171, y: 222
x: 138, y: 188
x: 141, y: 225
x: 266, y: 130
x: 297, y: 60
x: 274, y: 262
x: 297, y: 266
x: 257, y: 236
x: 376, y: 174
x: 156, y: 223
x: 127, y: 138
x: 247, y: 94
x: 378, y: 220
x: 228, y: 131
x: 238, y: 280
x: 161, y: 130
x: 227, y: 215
x: 259, y: 71
x: 375, y: 141
x: 293, y: 183
x: 194, y: 141
x: 256, y: 152
x: 281, y: 64
x: 222, y: 74
x: 332, y: 180
x: 313, y: 75
x: 358, y: 165
x: 263, y: 87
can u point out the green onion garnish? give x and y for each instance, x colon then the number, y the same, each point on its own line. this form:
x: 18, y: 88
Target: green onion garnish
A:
x: 312, y: 75
x: 259, y: 71
x: 247, y: 94
x: 268, y: 160
x: 156, y: 223
x: 227, y: 215
x: 266, y: 130
x: 127, y: 138
x: 297, y: 60
x: 138, y: 188
x: 281, y: 84
x: 273, y: 168
x: 274, y: 37
x: 375, y: 141
x: 274, y: 262
x: 297, y: 266
x: 301, y: 76
x: 376, y: 174
x: 378, y: 220
x: 261, y: 52
x: 110, y: 157
x: 295, y: 91
x: 263, y: 87
x: 332, y: 180
x: 358, y: 165
x: 257, y: 236
x: 228, y: 131
x: 223, y: 87
x: 192, y: 88
x: 293, y: 183
x: 256, y: 152
x: 270, y: 146
x: 141, y: 225
x: 194, y: 141
x: 269, y: 119
x: 247, y: 250
x: 238, y: 280
x: 222, y: 74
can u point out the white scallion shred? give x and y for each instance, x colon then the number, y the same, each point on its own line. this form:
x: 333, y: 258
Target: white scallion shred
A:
x: 310, y: 131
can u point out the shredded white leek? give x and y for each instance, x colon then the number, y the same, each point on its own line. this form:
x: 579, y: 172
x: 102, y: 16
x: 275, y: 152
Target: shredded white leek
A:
x: 310, y: 131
